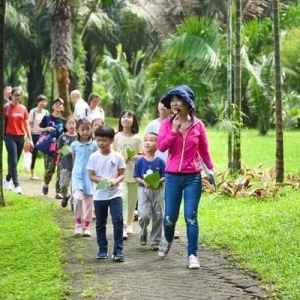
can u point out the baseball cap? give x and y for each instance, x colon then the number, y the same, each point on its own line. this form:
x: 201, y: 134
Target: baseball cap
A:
x: 58, y: 100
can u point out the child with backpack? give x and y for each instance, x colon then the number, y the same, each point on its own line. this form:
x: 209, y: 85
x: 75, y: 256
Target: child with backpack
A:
x: 66, y: 159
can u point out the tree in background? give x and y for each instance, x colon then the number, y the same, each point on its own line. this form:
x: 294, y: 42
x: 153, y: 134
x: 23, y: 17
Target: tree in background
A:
x: 2, y: 22
x: 279, y: 127
x: 61, y: 45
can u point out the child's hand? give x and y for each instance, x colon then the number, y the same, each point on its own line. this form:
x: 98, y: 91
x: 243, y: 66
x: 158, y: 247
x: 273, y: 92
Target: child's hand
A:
x: 146, y: 185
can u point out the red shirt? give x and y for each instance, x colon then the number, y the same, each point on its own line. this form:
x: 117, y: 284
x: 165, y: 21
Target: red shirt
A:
x: 16, y: 116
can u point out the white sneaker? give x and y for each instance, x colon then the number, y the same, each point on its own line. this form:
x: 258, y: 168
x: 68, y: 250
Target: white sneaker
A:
x: 86, y: 232
x: 78, y: 230
x: 193, y: 262
x: 7, y: 185
x: 18, y: 190
x: 125, y: 236
x: 129, y: 229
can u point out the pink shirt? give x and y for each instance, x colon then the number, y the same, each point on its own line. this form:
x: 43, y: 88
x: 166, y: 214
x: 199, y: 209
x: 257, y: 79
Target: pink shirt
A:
x: 185, y: 149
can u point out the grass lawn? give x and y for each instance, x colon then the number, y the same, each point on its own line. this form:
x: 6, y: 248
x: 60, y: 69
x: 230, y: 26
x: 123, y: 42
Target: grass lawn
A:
x: 260, y: 236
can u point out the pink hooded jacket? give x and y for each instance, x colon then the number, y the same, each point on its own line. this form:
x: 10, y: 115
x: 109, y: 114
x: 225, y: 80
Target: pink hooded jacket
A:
x: 185, y: 149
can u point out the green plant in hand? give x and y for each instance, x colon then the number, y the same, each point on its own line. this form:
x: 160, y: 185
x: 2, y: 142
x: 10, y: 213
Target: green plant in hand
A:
x: 153, y: 180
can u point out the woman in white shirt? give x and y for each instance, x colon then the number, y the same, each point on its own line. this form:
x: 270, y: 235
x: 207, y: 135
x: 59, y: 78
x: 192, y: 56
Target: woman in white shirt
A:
x: 35, y: 117
x: 93, y: 112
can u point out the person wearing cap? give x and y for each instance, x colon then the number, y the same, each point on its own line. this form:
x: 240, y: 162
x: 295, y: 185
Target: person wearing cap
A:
x: 57, y: 123
x: 184, y: 136
x: 35, y: 117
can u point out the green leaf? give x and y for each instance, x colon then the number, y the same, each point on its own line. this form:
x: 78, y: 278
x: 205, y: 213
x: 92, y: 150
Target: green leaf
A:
x: 130, y: 153
x: 103, y: 184
x: 153, y: 180
x: 65, y: 150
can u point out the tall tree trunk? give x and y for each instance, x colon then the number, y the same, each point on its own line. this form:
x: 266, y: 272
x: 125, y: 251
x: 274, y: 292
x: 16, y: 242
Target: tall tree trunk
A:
x: 2, y: 22
x: 279, y: 126
x: 35, y: 82
x: 229, y: 79
x: 62, y: 80
x: 237, y: 90
x: 61, y: 48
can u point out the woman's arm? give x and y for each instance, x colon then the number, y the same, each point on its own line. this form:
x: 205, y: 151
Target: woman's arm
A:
x: 166, y: 136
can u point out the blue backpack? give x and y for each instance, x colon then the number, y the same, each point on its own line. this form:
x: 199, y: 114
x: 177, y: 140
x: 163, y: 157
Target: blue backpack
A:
x: 47, y: 140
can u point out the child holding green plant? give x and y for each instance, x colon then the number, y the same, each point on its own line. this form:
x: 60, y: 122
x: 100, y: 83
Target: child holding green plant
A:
x: 129, y: 144
x: 106, y: 169
x: 66, y: 160
x: 149, y: 172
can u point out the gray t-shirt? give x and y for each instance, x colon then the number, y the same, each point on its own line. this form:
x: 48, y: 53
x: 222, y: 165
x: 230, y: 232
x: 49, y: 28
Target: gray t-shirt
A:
x: 66, y: 161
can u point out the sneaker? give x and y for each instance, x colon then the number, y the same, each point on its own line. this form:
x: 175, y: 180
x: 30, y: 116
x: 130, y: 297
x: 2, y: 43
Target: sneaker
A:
x: 129, y: 229
x: 176, y: 234
x: 143, y: 240
x: 45, y: 190
x: 34, y: 177
x: 135, y: 215
x: 59, y: 196
x: 7, y: 185
x: 193, y: 262
x: 125, y: 236
x: 154, y: 247
x: 64, y: 201
x: 86, y: 232
x: 164, y: 248
x: 18, y: 190
x: 101, y: 255
x: 118, y: 257
x: 78, y: 230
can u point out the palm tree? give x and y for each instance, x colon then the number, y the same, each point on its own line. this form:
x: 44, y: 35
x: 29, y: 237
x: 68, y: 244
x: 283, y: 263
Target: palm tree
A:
x: 2, y: 22
x: 279, y: 126
x: 61, y: 45
x: 236, y: 165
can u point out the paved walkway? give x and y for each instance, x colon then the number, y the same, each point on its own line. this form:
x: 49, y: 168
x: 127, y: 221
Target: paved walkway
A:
x: 144, y: 275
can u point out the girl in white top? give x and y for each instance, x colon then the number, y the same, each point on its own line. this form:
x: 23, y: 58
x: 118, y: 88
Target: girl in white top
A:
x: 93, y: 111
x: 129, y: 144
x: 35, y: 117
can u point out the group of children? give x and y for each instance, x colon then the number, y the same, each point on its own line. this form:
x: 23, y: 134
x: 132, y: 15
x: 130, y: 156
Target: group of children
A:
x: 109, y: 170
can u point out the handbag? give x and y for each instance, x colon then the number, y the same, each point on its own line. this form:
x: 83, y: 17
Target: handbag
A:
x: 47, y: 140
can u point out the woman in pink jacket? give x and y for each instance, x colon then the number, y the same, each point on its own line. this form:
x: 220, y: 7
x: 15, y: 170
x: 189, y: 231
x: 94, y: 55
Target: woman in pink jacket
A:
x: 184, y: 136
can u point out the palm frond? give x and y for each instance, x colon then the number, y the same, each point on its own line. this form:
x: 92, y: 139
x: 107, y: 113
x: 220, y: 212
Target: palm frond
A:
x: 196, y: 42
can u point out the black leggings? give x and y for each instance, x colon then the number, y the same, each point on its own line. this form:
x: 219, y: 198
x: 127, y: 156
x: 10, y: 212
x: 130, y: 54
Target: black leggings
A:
x: 34, y: 152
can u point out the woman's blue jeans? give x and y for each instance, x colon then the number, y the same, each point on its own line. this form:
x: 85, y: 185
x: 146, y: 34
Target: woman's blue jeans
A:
x: 190, y: 187
x: 14, y: 146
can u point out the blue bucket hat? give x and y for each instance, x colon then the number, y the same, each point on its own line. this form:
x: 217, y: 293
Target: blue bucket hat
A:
x: 183, y: 92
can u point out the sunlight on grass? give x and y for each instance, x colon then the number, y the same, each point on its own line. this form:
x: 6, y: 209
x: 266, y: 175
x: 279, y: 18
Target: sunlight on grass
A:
x: 31, y: 251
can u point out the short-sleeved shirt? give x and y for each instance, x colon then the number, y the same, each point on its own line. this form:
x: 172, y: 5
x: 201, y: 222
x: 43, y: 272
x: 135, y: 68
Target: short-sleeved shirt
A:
x: 123, y: 143
x: 92, y: 114
x: 143, y: 167
x: 35, y: 118
x: 15, y: 117
x: 66, y: 161
x: 58, y: 123
x: 79, y: 107
x: 107, y: 167
x: 80, y: 176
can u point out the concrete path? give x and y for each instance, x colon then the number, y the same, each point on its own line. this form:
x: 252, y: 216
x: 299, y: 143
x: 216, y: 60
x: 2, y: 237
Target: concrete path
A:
x: 144, y: 275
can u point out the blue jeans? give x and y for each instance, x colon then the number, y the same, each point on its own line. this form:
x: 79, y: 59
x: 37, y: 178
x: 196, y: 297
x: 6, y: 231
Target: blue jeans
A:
x: 190, y: 187
x: 101, y: 212
x: 14, y: 146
